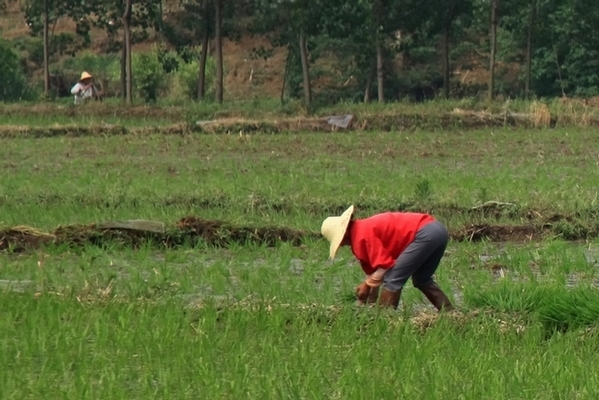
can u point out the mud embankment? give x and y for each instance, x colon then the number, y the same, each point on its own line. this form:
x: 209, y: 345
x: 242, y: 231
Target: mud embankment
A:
x: 191, y: 231
x: 393, y: 122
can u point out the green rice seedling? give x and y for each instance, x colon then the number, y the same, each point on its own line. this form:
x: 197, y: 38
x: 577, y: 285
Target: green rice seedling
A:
x: 509, y: 296
x: 571, y: 309
x: 242, y: 319
x: 269, y: 347
x: 423, y: 190
x: 260, y: 188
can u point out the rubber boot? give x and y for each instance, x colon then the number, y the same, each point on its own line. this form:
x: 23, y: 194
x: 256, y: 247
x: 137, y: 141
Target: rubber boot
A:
x: 435, y: 295
x: 373, y: 297
x: 389, y: 298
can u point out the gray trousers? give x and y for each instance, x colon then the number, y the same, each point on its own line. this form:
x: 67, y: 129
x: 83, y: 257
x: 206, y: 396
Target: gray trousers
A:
x: 420, y: 259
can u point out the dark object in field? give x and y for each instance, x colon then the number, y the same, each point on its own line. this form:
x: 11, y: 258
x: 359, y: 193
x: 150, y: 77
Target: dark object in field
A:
x: 20, y: 238
x: 59, y: 85
x: 98, y: 95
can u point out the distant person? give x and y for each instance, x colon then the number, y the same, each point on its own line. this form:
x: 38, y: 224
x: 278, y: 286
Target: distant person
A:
x: 84, y: 89
x: 391, y: 248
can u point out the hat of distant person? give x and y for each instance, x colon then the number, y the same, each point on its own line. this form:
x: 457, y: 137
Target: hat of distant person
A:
x: 334, y: 228
x: 85, y: 75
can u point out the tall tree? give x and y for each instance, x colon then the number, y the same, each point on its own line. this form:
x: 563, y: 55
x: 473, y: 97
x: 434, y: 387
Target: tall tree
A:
x: 292, y: 24
x: 445, y: 44
x: 380, y: 71
x: 351, y: 31
x: 108, y: 16
x: 218, y: 20
x: 305, y: 67
x: 443, y: 17
x: 529, y: 39
x: 305, y: 25
x: 127, y: 47
x: 566, y: 43
x: 493, y: 34
x: 40, y: 15
x: 204, y: 51
x: 46, y: 49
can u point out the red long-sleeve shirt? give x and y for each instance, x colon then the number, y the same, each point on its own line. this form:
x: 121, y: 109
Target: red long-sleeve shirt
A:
x: 377, y: 241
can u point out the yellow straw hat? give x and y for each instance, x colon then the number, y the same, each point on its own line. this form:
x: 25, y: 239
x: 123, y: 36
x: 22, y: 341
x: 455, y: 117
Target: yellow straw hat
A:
x: 333, y: 229
x: 85, y: 75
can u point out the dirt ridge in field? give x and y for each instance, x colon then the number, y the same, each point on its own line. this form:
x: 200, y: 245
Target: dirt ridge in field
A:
x: 194, y: 230
x: 494, y: 210
x: 398, y: 122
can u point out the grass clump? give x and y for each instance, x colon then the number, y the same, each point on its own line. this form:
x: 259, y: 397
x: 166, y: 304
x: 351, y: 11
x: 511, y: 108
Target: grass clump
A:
x: 558, y: 308
x: 571, y: 309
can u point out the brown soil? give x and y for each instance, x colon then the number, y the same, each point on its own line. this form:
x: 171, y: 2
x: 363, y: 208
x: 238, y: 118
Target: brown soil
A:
x: 221, y: 233
x: 189, y: 230
x: 192, y: 230
x: 501, y: 233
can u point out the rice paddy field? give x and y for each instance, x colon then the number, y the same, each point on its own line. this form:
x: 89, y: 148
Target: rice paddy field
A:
x: 234, y: 298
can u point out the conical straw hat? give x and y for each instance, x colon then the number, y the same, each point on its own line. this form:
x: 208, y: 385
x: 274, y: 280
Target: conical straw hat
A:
x: 333, y: 229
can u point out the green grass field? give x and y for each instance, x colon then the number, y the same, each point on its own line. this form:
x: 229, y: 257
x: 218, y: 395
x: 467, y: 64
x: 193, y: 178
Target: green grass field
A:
x: 247, y: 320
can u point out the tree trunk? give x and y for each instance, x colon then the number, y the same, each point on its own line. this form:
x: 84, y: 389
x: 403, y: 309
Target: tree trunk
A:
x: 494, y: 21
x: 531, y: 19
x: 204, y: 53
x: 159, y: 18
x: 124, y: 70
x: 380, y: 78
x: 219, y: 51
x: 447, y: 21
x: 380, y: 73
x: 369, y: 80
x: 446, y: 27
x: 46, y: 50
x: 285, y: 73
x: 305, y: 68
x: 127, y: 44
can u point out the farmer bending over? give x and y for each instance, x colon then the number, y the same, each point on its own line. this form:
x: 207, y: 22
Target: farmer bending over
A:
x: 392, y: 247
x: 84, y: 89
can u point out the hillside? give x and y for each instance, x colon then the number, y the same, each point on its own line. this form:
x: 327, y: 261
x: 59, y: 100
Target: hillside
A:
x: 245, y: 77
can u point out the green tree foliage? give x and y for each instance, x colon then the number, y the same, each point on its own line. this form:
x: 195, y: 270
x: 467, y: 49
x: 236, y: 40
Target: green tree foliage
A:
x: 72, y: 9
x: 149, y: 75
x: 14, y: 83
x: 294, y: 24
x: 567, y: 53
x: 390, y: 49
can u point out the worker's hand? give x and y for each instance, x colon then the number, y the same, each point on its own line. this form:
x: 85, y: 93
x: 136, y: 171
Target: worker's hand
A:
x: 363, y: 292
x: 367, y: 294
x: 374, y: 281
